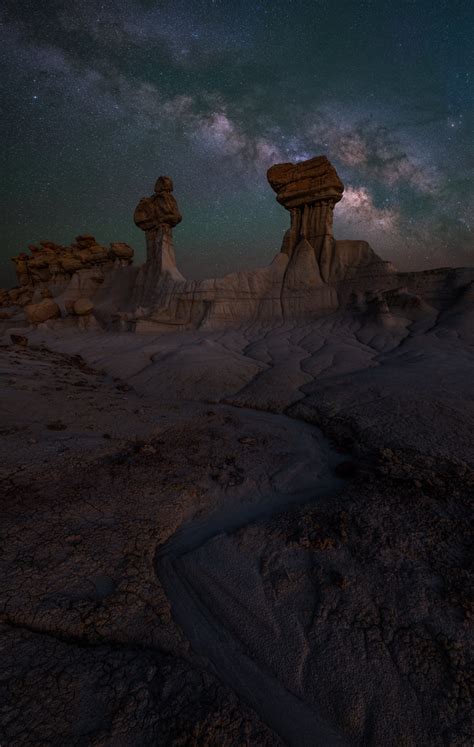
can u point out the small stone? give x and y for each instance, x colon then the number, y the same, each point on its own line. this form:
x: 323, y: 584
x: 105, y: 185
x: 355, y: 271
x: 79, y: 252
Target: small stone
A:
x: 73, y: 539
x: 57, y: 425
x: 148, y: 449
x: 19, y: 340
x: 83, y: 306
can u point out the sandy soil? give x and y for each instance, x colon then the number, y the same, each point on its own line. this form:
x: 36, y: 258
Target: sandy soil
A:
x: 258, y: 536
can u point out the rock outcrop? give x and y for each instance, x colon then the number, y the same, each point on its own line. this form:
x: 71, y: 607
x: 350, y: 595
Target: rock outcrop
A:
x: 157, y: 216
x: 51, y: 265
x: 309, y: 190
x: 50, y: 261
x: 83, y: 307
x: 42, y: 311
x: 312, y: 274
x: 67, y: 276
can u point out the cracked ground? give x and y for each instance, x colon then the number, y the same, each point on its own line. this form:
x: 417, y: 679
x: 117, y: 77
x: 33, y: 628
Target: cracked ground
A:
x: 258, y: 537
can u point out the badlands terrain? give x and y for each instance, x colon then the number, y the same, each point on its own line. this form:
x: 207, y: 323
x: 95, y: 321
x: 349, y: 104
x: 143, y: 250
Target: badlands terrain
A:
x: 237, y: 511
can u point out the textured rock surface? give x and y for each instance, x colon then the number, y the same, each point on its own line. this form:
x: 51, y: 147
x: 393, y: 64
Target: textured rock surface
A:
x: 157, y: 215
x: 161, y: 209
x: 41, y: 312
x: 312, y: 275
x: 50, y: 267
x: 254, y: 531
x: 305, y: 182
x: 288, y: 563
x: 309, y: 190
x: 83, y: 306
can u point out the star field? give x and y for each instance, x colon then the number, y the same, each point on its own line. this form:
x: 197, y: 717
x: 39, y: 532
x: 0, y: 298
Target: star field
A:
x: 99, y: 98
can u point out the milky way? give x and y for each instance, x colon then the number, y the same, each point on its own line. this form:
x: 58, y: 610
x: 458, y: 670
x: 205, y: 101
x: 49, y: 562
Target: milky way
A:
x: 101, y: 98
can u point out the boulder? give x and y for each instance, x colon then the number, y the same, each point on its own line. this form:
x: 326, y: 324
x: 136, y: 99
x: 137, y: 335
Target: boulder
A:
x: 50, y: 262
x: 21, y: 296
x: 85, y: 240
x: 83, y: 306
x: 42, y: 312
x: 70, y: 264
x: 19, y: 340
x: 303, y: 183
x: 161, y: 209
x: 121, y: 251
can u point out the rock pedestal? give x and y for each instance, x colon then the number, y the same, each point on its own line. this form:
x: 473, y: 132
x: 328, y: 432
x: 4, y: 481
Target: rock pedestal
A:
x: 309, y: 190
x: 157, y: 216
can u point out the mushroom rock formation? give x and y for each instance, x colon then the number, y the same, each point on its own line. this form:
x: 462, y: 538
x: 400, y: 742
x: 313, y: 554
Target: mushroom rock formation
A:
x: 309, y: 190
x: 312, y: 275
x: 157, y: 216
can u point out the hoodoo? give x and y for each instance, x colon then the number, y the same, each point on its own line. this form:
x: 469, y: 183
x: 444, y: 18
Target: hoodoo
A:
x: 313, y: 274
x: 309, y: 190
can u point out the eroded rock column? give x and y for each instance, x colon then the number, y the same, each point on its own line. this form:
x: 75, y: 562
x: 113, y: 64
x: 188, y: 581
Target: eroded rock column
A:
x: 157, y: 216
x: 309, y: 190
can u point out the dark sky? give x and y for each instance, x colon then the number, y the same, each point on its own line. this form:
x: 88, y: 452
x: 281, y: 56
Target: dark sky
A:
x: 99, y: 98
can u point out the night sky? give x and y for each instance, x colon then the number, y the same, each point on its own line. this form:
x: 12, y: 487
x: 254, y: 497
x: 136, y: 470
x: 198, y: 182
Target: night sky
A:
x: 100, y: 98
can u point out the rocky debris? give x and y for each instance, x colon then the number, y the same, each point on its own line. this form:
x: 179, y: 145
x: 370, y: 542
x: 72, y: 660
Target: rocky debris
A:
x: 43, y: 311
x: 54, y: 264
x: 83, y: 306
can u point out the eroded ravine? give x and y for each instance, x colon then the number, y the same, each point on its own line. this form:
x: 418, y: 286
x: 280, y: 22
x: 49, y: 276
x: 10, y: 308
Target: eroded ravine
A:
x: 220, y: 650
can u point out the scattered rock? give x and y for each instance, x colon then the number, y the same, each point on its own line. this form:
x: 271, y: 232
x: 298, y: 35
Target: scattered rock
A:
x: 42, y: 311
x: 83, y: 306
x: 54, y: 263
x: 19, y: 340
x: 148, y: 449
x: 57, y: 425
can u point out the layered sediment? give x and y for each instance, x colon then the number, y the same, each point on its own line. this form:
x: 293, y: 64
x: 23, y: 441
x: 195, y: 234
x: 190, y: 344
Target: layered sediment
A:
x: 313, y: 274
